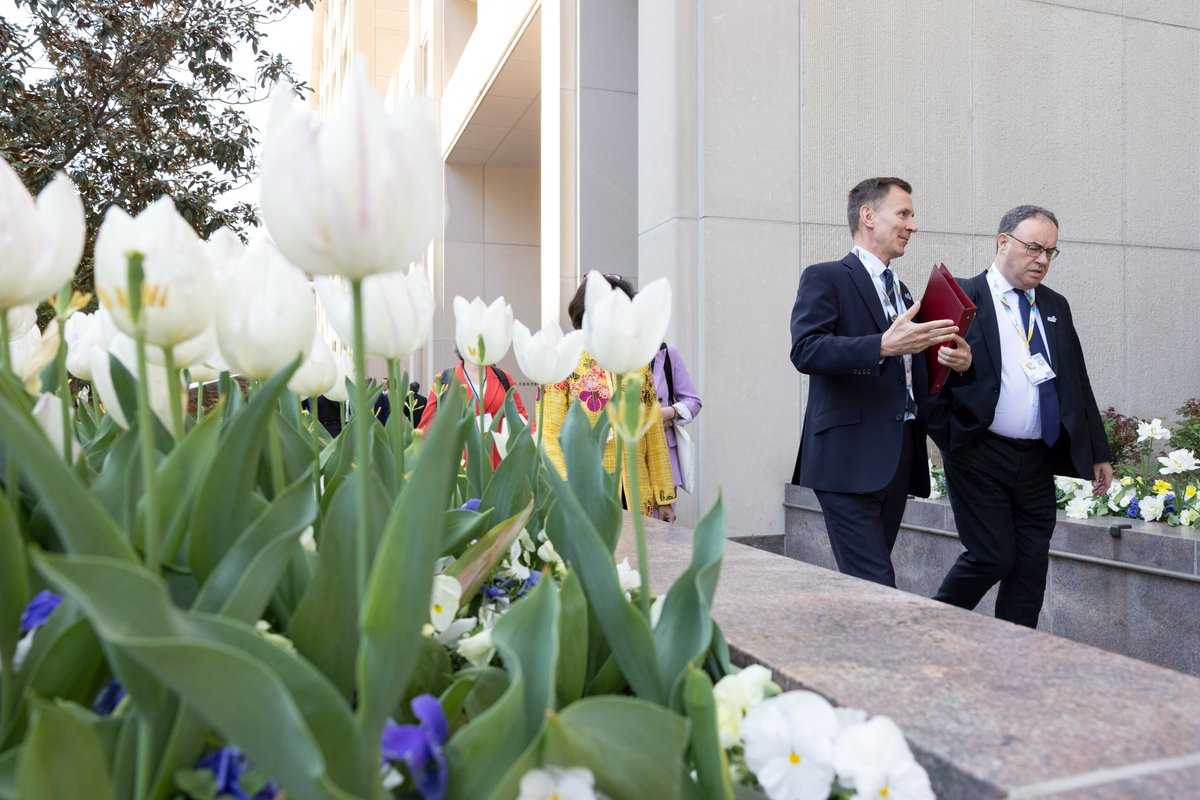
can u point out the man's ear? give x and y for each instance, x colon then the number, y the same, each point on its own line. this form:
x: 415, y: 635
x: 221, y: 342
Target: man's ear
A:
x: 866, y: 216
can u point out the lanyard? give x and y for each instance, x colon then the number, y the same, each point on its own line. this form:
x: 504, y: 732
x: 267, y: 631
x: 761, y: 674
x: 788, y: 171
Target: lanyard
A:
x: 1014, y: 317
x: 476, y: 393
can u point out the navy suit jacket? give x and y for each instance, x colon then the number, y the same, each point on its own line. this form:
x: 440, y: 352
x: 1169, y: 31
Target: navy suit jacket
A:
x: 854, y: 421
x: 960, y: 413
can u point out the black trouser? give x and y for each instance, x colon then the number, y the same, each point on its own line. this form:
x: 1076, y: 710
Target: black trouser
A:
x: 1002, y: 494
x: 862, y: 527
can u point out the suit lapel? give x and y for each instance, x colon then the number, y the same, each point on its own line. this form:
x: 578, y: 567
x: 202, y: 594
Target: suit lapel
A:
x: 866, y: 288
x: 985, y: 318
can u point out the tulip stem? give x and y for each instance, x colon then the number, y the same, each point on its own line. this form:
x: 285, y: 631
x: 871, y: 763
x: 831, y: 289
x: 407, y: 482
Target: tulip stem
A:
x: 480, y: 408
x: 360, y: 421
x: 279, y: 478
x: 5, y: 350
x: 146, y: 434
x: 635, y: 506
x: 398, y: 427
x: 64, y: 392
x: 173, y: 392
x: 539, y: 421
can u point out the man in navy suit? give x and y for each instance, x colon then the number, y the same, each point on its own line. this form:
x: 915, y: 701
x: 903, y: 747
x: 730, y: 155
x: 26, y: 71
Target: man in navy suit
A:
x: 1028, y: 415
x: 863, y: 446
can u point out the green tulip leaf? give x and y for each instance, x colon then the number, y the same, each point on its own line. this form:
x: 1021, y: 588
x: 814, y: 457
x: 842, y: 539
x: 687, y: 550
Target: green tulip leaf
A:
x: 576, y: 539
x: 400, y: 584
x: 461, y: 528
x: 81, y: 523
x: 645, y: 739
x: 62, y: 758
x: 708, y: 757
x: 684, y: 629
x: 179, y: 478
x: 573, y: 636
x: 594, y: 487
x: 243, y: 581
x: 14, y: 582
x: 324, y: 626
x: 480, y: 559
x: 224, y: 505
x: 527, y: 640
x: 287, y: 717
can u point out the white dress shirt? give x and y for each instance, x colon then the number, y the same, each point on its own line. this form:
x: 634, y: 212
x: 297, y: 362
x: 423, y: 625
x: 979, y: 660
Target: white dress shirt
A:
x: 876, y: 267
x: 1018, y: 411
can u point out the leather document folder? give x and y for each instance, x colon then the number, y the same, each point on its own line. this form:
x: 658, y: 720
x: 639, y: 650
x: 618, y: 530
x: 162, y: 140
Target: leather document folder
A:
x: 943, y: 299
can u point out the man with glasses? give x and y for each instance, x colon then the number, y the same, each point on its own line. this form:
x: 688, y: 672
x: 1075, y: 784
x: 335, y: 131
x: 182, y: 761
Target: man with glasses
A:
x: 1028, y: 415
x: 863, y: 447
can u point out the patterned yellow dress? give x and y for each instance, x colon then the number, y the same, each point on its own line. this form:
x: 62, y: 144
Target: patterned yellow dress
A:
x: 590, y: 386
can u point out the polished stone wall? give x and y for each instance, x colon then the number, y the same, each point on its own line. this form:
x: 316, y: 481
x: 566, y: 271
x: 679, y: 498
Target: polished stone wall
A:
x: 754, y: 119
x: 1134, y: 595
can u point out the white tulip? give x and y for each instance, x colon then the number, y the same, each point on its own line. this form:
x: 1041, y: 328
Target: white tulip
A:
x: 397, y: 311
x: 345, y: 371
x: 40, y: 242
x: 873, y: 759
x: 23, y: 351
x: 179, y: 289
x: 474, y: 321
x: 623, y: 334
x: 318, y: 373
x: 48, y: 413
x: 361, y: 193
x: 547, y: 357
x: 83, y: 332
x: 628, y: 577
x: 124, y: 349
x: 267, y: 315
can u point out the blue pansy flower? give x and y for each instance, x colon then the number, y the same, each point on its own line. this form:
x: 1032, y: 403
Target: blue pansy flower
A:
x: 470, y: 505
x: 1132, y: 511
x: 228, y: 764
x: 420, y: 746
x: 109, y: 698
x: 39, y: 610
x: 530, y: 582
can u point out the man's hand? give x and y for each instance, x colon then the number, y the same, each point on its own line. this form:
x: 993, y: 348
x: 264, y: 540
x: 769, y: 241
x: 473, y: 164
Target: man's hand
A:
x: 957, y: 357
x: 666, y: 513
x: 1103, y: 479
x: 906, y: 337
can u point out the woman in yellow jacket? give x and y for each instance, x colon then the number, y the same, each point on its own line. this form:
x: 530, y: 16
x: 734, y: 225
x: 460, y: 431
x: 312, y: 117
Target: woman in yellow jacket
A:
x: 591, y: 386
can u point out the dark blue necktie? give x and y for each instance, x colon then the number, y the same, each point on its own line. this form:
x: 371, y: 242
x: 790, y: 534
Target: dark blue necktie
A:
x: 889, y: 286
x: 1047, y: 390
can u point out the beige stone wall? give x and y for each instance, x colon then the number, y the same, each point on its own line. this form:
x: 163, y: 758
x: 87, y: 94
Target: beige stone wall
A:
x: 755, y: 119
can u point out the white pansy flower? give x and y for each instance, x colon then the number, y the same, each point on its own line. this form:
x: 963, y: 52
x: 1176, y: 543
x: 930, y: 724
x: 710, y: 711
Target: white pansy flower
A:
x: 1178, y: 461
x: 1079, y: 507
x: 478, y: 649
x: 1152, y: 430
x: 1066, y: 484
x: 443, y: 608
x: 789, y: 745
x: 558, y: 783
x: 1188, y: 516
x: 1151, y: 507
x: 873, y: 759
x: 735, y: 694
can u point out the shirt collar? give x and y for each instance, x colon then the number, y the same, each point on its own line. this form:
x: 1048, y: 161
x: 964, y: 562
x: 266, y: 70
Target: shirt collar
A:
x: 869, y: 260
x: 1000, y: 283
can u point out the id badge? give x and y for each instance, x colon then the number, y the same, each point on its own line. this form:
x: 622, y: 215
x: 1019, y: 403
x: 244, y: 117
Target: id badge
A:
x: 1037, y: 370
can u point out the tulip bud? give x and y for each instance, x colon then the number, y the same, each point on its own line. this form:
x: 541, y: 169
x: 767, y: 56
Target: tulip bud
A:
x: 548, y: 356
x: 482, y: 333
x: 42, y: 241
x: 623, y: 334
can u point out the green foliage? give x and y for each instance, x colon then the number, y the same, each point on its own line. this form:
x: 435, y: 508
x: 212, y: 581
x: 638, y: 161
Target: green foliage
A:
x: 1186, y: 433
x: 142, y: 100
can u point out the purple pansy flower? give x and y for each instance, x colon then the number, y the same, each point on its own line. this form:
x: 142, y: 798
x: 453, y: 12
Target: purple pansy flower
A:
x: 109, y: 698
x: 228, y: 764
x: 39, y: 610
x: 420, y: 746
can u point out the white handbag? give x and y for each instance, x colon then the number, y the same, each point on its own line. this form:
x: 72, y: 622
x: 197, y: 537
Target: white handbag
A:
x: 686, y: 450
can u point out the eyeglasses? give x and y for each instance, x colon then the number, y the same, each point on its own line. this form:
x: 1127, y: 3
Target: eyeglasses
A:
x: 1035, y: 250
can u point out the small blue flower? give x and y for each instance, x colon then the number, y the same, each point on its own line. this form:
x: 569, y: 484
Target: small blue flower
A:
x: 470, y: 505
x: 530, y: 582
x: 109, y: 698
x: 228, y: 764
x: 420, y: 746
x: 1132, y: 511
x: 39, y: 610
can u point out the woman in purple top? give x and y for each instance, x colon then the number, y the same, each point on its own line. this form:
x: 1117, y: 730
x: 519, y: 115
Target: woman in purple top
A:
x: 677, y: 396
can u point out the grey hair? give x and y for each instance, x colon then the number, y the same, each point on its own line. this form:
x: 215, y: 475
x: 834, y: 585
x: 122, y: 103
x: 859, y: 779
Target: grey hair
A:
x: 1015, y: 216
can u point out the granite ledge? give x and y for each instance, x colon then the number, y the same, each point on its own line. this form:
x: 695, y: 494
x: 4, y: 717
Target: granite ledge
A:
x: 988, y: 707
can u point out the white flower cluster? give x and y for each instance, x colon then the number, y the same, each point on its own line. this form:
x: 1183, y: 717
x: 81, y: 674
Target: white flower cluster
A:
x: 798, y: 746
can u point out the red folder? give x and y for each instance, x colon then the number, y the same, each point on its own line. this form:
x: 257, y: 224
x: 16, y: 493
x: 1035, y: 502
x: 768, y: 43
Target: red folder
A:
x: 943, y: 299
